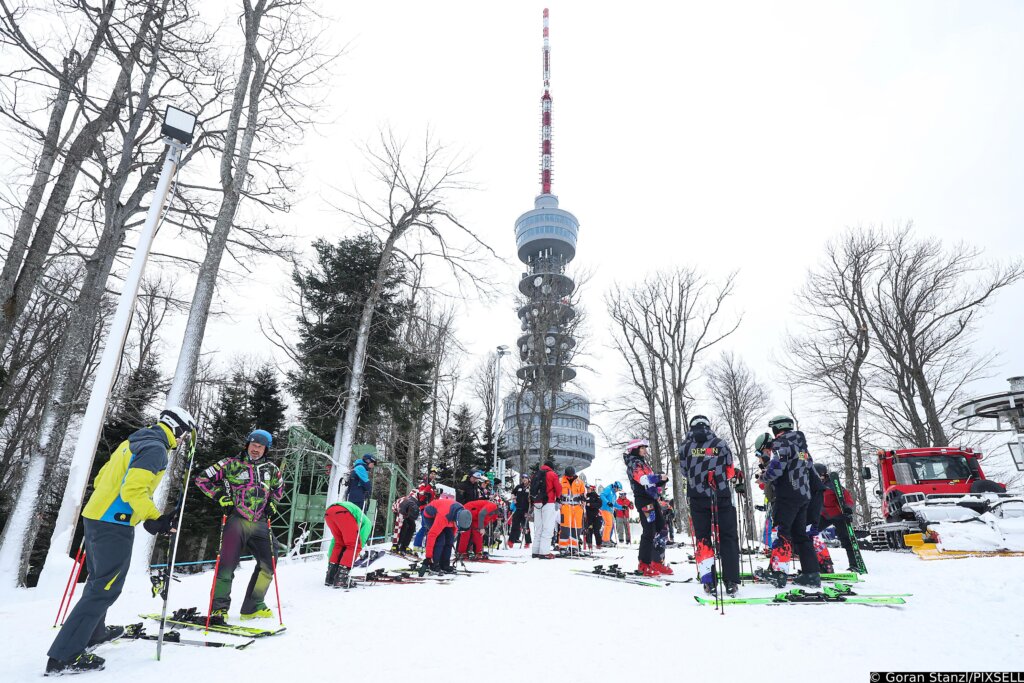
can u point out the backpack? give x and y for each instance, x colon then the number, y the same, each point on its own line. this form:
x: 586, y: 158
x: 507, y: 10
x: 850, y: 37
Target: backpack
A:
x: 539, y: 487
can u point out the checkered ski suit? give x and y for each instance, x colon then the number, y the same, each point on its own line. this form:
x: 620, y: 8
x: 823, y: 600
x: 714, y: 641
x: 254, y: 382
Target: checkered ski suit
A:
x: 791, y: 466
x: 699, y: 458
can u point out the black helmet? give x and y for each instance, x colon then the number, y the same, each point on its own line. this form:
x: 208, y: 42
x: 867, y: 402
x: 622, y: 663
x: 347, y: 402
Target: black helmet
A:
x: 550, y: 462
x: 821, y: 469
x: 780, y: 423
x: 700, y: 420
x: 570, y: 471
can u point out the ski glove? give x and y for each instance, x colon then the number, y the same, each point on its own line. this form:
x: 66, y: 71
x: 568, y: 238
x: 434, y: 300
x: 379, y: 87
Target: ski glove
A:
x: 225, y: 501
x: 161, y: 525
x: 812, y: 530
x: 847, y: 510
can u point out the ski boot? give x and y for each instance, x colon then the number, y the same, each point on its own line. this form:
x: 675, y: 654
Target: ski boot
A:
x: 78, y: 664
x: 777, y: 579
x: 446, y: 570
x: 341, y: 577
x: 219, y: 617
x: 261, y: 612
x: 809, y: 580
x: 710, y: 588
x: 644, y: 569
x: 731, y: 589
x: 662, y: 568
x: 332, y: 573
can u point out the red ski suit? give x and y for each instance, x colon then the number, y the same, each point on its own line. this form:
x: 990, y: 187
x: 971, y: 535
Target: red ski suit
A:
x: 484, y: 512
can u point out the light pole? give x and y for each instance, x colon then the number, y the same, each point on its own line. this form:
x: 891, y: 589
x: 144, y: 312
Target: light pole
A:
x: 501, y: 352
x: 177, y: 128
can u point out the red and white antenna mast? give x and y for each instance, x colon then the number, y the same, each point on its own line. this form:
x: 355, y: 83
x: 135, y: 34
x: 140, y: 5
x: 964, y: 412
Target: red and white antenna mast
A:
x: 545, y: 117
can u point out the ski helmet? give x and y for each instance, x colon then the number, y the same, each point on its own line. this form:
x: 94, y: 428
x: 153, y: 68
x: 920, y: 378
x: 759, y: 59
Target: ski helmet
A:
x: 463, y: 519
x: 550, y: 462
x: 570, y: 471
x: 368, y: 458
x: 700, y: 420
x: 617, y: 486
x: 262, y: 437
x: 821, y: 469
x: 178, y: 420
x: 635, y: 444
x: 762, y: 442
x: 780, y: 423
x: 524, y: 475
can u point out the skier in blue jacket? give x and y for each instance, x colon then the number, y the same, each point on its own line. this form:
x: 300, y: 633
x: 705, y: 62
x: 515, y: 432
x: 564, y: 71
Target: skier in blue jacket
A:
x: 359, y: 485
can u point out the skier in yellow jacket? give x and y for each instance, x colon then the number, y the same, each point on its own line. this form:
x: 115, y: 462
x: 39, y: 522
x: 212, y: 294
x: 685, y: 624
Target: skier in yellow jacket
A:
x: 123, y: 497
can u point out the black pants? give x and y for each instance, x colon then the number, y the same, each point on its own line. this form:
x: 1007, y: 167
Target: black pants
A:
x: 843, y: 534
x: 405, y: 535
x: 519, y: 524
x: 729, y: 550
x: 594, y: 530
x: 790, y: 516
x: 650, y: 528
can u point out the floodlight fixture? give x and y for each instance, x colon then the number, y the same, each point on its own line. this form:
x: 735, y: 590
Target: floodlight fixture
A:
x: 178, y: 125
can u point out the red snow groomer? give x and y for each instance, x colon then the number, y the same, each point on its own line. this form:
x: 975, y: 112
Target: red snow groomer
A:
x: 923, y: 486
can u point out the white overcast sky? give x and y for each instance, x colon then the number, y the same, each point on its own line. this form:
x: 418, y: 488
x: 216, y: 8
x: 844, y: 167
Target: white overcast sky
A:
x: 740, y: 136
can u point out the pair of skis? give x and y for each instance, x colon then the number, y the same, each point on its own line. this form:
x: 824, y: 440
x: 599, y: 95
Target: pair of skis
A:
x: 192, y: 619
x: 849, y: 577
x: 841, y: 593
x: 837, y: 488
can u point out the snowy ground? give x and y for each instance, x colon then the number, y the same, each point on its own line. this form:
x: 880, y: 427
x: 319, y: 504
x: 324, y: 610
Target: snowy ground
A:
x: 536, y: 621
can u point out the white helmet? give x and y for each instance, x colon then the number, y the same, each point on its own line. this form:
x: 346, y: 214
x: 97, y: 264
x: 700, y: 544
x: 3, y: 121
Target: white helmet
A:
x: 179, y: 420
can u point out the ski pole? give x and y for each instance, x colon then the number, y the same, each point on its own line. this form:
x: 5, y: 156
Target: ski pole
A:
x: 76, y: 571
x: 67, y: 586
x: 716, y: 544
x: 216, y: 568
x: 175, y: 537
x: 273, y: 567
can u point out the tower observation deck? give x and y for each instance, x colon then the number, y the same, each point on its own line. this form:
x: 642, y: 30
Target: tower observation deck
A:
x: 546, y: 240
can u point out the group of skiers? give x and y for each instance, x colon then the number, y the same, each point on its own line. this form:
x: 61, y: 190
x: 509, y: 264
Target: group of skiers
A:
x: 565, y: 512
x: 801, y: 506
x: 246, y: 486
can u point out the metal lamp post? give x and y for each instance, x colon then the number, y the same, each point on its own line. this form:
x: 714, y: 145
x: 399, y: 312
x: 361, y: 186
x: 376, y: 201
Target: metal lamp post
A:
x: 177, y: 128
x: 501, y: 351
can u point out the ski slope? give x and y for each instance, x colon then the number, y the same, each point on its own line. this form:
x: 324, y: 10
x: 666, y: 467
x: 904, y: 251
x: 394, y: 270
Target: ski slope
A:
x: 537, y: 621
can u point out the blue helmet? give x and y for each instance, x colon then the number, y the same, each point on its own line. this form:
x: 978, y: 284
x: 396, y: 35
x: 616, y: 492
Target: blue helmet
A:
x: 617, y: 486
x: 262, y: 437
x: 368, y: 458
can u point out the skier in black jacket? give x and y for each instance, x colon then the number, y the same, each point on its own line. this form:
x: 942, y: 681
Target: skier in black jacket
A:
x: 645, y: 484
x: 409, y: 508
x: 706, y: 462
x: 593, y: 512
x: 791, y: 471
x: 519, y: 516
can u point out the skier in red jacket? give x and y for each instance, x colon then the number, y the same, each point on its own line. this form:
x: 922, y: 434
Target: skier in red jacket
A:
x: 484, y: 512
x: 441, y: 518
x: 834, y: 513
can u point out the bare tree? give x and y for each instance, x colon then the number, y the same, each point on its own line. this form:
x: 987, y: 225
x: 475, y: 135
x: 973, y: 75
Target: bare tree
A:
x: 73, y: 66
x: 830, y: 355
x: 671, y: 320
x: 84, y: 144
x: 742, y: 401
x: 484, y: 386
x: 923, y: 309
x: 413, y: 204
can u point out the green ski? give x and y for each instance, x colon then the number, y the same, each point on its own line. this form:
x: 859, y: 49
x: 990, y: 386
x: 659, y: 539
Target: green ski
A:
x: 837, y: 488
x: 851, y: 577
x: 800, y: 597
x: 191, y: 619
